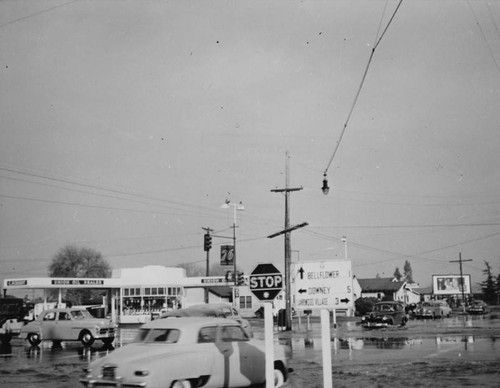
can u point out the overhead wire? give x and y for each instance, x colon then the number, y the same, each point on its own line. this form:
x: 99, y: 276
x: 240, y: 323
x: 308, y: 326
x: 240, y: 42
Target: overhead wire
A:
x: 363, y: 78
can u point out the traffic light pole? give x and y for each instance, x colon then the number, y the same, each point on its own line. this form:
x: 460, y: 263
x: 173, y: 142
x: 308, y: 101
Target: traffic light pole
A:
x: 207, y: 271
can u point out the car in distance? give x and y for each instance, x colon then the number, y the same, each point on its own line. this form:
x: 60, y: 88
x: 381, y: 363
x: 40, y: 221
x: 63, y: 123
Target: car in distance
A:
x: 218, y: 310
x: 385, y: 314
x: 14, y: 312
x: 188, y: 352
x: 478, y: 307
x: 433, y: 309
x: 68, y: 324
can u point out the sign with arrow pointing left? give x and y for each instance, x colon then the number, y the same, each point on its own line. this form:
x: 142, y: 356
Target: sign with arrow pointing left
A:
x: 323, y: 284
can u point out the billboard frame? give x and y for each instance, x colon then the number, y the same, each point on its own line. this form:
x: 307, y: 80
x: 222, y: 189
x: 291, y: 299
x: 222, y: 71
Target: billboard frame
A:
x: 450, y: 284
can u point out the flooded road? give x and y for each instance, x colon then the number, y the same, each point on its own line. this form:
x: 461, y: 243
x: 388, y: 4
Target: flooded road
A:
x: 459, y: 351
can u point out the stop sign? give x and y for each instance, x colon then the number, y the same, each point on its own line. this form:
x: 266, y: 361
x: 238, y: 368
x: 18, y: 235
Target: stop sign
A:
x: 266, y: 281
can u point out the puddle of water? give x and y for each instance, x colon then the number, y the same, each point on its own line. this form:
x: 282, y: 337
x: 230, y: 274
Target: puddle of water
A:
x: 375, y: 348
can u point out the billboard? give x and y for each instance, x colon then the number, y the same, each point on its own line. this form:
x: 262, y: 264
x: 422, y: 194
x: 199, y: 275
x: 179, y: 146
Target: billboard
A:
x: 450, y: 284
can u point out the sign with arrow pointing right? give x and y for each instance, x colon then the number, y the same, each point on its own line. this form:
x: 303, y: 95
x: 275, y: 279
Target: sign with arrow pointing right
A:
x: 323, y: 284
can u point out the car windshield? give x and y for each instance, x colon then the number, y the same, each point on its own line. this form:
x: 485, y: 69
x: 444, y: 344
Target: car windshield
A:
x: 80, y: 314
x: 384, y: 307
x: 158, y: 335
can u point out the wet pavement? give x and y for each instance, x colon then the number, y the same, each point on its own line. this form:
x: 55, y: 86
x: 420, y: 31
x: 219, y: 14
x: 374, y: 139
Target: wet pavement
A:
x: 458, y: 351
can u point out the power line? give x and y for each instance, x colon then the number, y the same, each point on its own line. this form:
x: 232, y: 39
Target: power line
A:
x: 356, y: 96
x: 37, y: 13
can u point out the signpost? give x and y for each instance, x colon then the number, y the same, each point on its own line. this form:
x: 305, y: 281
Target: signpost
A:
x: 325, y: 286
x: 266, y: 282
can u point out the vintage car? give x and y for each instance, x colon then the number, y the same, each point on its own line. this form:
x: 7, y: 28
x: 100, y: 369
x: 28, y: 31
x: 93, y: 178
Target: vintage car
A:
x: 218, y: 310
x: 385, y: 314
x: 188, y: 352
x: 478, y: 307
x: 433, y: 309
x: 68, y: 324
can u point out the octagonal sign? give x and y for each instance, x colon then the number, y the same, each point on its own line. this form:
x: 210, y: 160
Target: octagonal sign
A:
x: 266, y: 282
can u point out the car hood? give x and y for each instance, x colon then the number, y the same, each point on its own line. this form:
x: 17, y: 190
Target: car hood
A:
x: 139, y: 353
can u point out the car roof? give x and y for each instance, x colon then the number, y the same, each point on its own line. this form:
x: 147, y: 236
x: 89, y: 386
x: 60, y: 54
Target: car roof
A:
x: 210, y: 309
x: 186, y: 323
x: 67, y: 309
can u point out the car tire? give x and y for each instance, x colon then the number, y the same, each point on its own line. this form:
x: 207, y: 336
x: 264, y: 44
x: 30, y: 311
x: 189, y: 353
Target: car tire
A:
x: 279, y: 378
x: 5, y: 339
x: 108, y: 341
x: 34, y: 339
x: 181, y: 384
x: 86, y: 338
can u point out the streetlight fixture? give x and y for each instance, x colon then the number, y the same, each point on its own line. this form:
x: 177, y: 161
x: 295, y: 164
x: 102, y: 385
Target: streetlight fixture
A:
x: 236, y: 206
x: 325, y: 187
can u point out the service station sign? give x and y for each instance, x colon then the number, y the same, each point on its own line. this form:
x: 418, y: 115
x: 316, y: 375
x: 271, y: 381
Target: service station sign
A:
x: 322, y: 284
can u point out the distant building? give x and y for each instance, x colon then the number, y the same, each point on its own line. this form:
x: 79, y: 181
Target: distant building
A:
x: 386, y: 289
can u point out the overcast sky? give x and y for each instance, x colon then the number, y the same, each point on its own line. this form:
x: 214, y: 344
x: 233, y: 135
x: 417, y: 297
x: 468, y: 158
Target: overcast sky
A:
x: 125, y: 125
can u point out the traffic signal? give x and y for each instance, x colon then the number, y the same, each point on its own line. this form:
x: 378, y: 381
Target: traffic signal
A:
x: 207, y: 242
x: 241, y: 279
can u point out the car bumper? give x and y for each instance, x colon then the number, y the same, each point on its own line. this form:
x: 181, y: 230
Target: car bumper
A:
x: 90, y: 382
x: 374, y: 325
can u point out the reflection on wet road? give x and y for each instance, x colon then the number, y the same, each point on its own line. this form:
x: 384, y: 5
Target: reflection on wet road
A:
x: 424, y: 342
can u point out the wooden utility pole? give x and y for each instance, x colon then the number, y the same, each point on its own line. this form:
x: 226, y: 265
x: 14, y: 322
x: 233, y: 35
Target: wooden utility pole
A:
x: 461, y: 275
x: 288, y: 251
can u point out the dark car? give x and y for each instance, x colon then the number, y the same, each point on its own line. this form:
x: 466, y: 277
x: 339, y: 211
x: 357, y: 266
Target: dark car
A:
x: 478, y: 307
x: 385, y: 314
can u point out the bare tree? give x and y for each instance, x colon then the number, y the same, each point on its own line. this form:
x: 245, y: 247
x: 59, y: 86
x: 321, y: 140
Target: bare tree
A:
x: 79, y: 262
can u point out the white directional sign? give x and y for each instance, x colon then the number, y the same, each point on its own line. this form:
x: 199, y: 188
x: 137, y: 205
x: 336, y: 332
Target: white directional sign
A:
x: 322, y: 284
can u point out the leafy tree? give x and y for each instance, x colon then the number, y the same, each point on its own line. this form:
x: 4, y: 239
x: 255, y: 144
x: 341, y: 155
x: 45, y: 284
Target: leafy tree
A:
x: 397, y: 274
x: 364, y: 305
x: 408, y: 273
x: 488, y: 286
x: 79, y: 262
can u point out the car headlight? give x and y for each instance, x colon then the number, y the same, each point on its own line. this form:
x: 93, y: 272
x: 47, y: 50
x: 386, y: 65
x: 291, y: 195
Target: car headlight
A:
x: 141, y: 373
x: 97, y: 329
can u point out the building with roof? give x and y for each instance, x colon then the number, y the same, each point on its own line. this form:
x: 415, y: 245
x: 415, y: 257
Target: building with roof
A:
x: 386, y: 289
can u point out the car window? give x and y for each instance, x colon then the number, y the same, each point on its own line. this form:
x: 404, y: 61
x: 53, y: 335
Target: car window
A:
x: 50, y: 316
x: 207, y: 334
x: 64, y: 316
x: 78, y: 314
x: 141, y: 335
x: 158, y: 335
x: 233, y: 333
x: 163, y: 335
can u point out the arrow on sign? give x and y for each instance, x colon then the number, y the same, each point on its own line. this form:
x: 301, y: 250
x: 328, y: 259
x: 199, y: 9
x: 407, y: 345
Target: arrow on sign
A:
x: 344, y: 300
x: 301, y: 271
x: 301, y: 291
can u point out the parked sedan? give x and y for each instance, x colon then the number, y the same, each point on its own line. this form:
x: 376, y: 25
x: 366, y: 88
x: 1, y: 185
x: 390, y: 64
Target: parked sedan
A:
x: 478, y: 307
x: 433, y: 309
x: 385, y: 314
x: 188, y: 352
x: 68, y: 324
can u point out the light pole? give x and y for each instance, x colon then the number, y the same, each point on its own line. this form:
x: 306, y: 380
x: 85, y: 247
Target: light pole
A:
x: 236, y: 207
x: 344, y: 240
